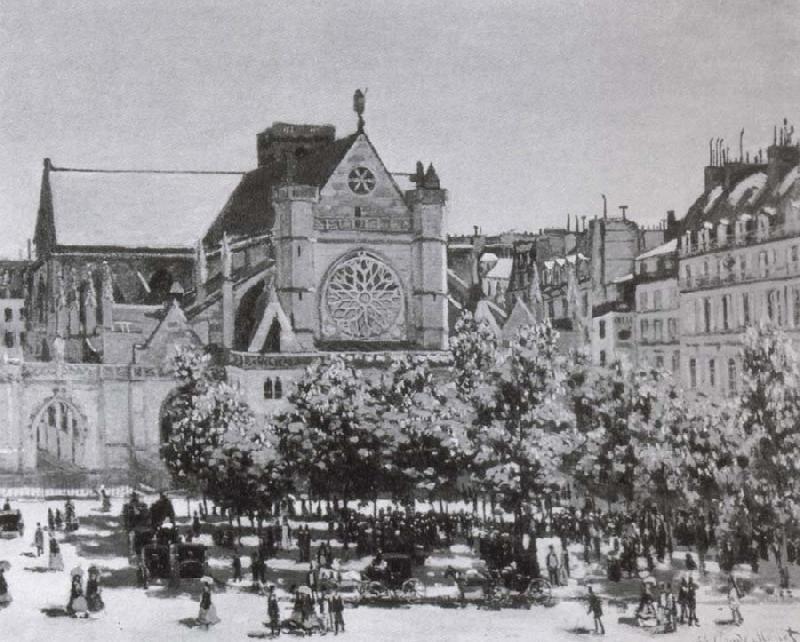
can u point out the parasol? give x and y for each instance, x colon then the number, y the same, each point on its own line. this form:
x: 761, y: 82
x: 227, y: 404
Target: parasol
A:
x: 207, y: 580
x: 304, y: 590
x: 76, y: 571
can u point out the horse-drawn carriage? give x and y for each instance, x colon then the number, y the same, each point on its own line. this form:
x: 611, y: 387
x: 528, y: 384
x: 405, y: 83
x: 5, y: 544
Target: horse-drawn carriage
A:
x: 175, y: 561
x: 11, y: 524
x: 391, y: 576
x: 496, y: 589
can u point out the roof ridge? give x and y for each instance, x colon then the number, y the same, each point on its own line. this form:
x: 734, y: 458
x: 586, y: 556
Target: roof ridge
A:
x: 87, y: 170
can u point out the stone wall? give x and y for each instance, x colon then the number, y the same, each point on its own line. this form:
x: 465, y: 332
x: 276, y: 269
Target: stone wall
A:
x: 116, y: 410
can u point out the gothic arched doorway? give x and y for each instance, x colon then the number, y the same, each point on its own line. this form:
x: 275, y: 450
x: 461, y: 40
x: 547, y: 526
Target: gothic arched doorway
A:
x: 60, y: 430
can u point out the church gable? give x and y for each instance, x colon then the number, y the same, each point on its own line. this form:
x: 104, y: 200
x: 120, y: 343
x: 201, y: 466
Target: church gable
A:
x: 274, y: 332
x: 361, y: 185
x: 172, y: 331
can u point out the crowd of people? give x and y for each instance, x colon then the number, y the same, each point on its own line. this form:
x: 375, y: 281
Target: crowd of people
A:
x: 631, y: 543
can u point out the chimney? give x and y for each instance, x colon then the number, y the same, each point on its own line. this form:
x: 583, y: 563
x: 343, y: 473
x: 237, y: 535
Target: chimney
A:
x: 623, y: 209
x: 741, y: 145
x: 672, y: 226
x: 605, y: 206
x: 30, y: 253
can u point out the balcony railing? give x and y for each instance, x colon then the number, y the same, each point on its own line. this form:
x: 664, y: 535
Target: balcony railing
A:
x: 766, y: 272
x: 752, y: 237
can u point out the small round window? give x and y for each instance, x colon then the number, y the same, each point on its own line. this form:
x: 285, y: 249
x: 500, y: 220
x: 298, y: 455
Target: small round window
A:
x: 361, y: 180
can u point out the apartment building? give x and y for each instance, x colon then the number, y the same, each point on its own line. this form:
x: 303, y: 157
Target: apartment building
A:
x: 739, y: 262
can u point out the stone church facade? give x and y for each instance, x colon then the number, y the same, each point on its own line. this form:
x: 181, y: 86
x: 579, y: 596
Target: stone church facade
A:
x: 319, y: 250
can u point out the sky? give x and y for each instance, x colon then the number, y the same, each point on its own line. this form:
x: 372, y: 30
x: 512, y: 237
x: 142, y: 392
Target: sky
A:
x: 529, y: 110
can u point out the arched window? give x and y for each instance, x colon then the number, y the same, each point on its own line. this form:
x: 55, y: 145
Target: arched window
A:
x: 59, y: 433
x: 268, y: 389
x: 278, y: 388
x: 732, y: 383
x: 692, y: 373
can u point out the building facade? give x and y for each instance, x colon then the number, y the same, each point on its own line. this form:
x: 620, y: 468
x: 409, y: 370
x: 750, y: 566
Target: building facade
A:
x: 318, y: 251
x: 739, y: 263
x: 657, y: 323
x: 13, y: 322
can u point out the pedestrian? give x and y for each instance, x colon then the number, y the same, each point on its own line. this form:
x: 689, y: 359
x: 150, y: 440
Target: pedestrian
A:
x: 783, y: 573
x: 273, y: 612
x: 55, y: 561
x: 552, y: 566
x: 254, y: 568
x: 207, y: 616
x: 5, y: 595
x: 596, y: 609
x: 77, y: 605
x: 94, y: 598
x: 196, y: 524
x: 59, y: 519
x: 733, y: 601
x: 336, y: 607
x: 237, y: 566
x: 683, y: 600
x: 564, y: 562
x: 668, y: 607
x: 691, y: 601
x: 51, y: 520
x: 38, y: 540
x: 286, y: 534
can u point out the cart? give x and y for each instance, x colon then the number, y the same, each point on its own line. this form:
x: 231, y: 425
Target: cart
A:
x: 391, y: 576
x: 175, y: 561
x: 11, y: 524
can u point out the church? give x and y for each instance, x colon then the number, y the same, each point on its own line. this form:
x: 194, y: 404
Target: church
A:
x: 319, y: 250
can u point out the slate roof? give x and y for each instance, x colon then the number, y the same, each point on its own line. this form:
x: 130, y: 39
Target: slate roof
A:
x: 751, y: 189
x: 249, y: 211
x: 132, y: 209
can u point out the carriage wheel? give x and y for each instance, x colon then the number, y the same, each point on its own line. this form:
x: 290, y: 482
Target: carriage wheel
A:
x: 539, y: 591
x: 413, y: 588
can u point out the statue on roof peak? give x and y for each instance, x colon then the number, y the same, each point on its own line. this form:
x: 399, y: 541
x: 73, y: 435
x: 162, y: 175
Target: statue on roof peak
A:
x: 359, y: 104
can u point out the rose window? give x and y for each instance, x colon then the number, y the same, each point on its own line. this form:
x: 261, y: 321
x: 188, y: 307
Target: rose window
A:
x: 361, y: 180
x: 363, y: 298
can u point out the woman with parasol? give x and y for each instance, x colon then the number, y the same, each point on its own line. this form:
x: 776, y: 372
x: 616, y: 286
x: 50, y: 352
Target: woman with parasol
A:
x: 5, y: 595
x: 208, y: 613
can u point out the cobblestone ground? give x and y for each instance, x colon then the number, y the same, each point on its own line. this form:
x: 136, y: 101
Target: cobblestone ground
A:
x: 157, y: 614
